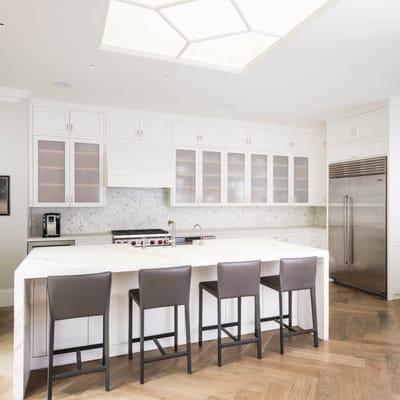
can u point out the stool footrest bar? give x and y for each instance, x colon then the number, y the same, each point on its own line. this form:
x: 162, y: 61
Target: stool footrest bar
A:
x: 233, y: 337
x: 78, y: 349
x: 296, y: 333
x: 274, y: 318
x: 160, y: 336
x: 158, y: 344
x: 239, y: 342
x: 70, y: 374
x: 165, y: 357
x: 225, y: 325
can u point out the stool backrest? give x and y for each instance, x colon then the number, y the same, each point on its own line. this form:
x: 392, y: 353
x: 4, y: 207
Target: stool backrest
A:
x: 164, y: 287
x: 75, y: 296
x: 298, y: 273
x: 237, y: 279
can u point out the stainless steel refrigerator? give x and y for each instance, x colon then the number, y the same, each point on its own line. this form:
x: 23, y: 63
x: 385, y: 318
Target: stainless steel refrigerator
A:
x: 357, y: 224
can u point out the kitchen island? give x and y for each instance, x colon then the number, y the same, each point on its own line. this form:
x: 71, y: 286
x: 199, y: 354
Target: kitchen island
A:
x: 124, y: 261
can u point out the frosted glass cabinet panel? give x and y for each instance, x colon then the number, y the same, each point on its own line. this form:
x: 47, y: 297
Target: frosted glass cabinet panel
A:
x: 211, y: 177
x: 300, y: 171
x: 236, y: 178
x: 51, y: 185
x: 281, y: 179
x: 185, y: 190
x: 86, y: 172
x: 259, y: 178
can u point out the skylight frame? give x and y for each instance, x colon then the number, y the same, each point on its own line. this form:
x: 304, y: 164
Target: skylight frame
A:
x: 157, y: 9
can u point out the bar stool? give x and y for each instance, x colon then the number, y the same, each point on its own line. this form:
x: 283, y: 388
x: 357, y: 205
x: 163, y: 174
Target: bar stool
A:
x: 164, y: 287
x: 295, y: 274
x: 79, y: 296
x: 235, y: 280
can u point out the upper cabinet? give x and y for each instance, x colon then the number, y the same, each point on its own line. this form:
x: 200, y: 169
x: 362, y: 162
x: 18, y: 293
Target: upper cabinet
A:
x: 133, y: 127
x: 360, y: 136
x: 194, y: 134
x: 54, y: 121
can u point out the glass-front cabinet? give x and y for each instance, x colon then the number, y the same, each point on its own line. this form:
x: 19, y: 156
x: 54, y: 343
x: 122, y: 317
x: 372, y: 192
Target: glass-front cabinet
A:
x: 259, y: 178
x: 186, y: 180
x: 236, y: 177
x: 211, y: 176
x: 281, y: 179
x: 300, y: 179
x: 67, y: 172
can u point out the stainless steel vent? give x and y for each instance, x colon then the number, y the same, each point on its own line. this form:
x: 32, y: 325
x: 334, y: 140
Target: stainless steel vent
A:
x: 369, y: 166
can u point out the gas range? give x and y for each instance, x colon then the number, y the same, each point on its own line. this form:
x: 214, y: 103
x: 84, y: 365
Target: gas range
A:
x: 142, y: 237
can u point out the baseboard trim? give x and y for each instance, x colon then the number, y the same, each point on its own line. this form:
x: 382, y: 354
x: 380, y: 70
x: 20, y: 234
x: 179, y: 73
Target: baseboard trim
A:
x: 6, y: 297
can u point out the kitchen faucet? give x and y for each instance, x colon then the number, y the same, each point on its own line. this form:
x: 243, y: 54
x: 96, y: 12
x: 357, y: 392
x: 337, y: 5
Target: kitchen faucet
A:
x: 173, y: 233
x: 198, y: 227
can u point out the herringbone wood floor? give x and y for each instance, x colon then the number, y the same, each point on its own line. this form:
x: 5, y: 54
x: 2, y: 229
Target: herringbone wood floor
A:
x: 361, y: 361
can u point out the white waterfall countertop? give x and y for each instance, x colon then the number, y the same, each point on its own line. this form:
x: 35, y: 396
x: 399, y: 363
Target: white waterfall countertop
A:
x: 46, y: 261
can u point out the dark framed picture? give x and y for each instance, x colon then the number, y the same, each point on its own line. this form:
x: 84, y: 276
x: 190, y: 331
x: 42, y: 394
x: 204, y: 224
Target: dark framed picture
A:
x: 4, y: 195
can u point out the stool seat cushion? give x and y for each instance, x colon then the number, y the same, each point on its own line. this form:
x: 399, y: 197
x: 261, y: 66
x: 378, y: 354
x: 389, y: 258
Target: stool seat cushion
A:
x: 134, y: 294
x: 273, y: 282
x: 211, y: 287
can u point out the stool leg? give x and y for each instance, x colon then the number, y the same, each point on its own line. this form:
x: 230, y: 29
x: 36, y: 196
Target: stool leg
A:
x: 280, y: 322
x: 141, y: 345
x: 290, y: 302
x: 258, y: 325
x: 219, y: 334
x: 314, y: 316
x: 239, y: 312
x: 50, y: 367
x: 104, y: 336
x: 130, y: 317
x: 188, y: 341
x: 106, y: 351
x: 175, y: 328
x: 200, y: 316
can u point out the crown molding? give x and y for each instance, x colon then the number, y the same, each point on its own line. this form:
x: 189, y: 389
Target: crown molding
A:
x: 13, y: 95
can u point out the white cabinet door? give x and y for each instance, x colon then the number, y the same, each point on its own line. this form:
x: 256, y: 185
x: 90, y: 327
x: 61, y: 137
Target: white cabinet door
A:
x: 236, y: 164
x: 86, y: 173
x: 50, y: 121
x: 122, y: 126
x: 185, y: 133
x: 300, y: 179
x: 372, y: 124
x: 86, y: 124
x: 318, y: 179
x: 212, y: 135
x: 237, y: 138
x: 185, y: 176
x: 280, y: 179
x: 50, y: 172
x: 259, y: 178
x: 342, y: 131
x: 211, y: 173
x: 154, y: 129
x: 140, y: 163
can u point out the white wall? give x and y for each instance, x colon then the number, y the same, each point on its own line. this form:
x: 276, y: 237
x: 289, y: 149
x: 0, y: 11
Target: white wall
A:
x: 13, y: 162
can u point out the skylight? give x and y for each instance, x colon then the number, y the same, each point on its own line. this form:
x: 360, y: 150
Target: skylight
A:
x: 224, y: 34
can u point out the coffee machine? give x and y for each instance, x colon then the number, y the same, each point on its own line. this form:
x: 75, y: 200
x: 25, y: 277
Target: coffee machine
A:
x: 51, y: 225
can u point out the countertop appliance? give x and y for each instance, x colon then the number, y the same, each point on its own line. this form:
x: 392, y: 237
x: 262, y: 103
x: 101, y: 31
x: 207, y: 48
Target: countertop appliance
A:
x: 142, y: 237
x: 357, y: 224
x: 51, y: 225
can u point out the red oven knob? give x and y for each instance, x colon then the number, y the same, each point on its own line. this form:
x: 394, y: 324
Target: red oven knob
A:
x: 160, y: 241
x: 133, y: 243
x: 152, y: 242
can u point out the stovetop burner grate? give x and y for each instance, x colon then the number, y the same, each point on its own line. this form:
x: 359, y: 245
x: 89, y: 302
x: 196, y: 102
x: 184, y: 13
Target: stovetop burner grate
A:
x: 124, y: 232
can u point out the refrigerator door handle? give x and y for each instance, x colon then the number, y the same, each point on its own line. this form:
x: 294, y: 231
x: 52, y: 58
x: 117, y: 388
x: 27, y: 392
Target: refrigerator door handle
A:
x: 350, y: 229
x: 346, y: 240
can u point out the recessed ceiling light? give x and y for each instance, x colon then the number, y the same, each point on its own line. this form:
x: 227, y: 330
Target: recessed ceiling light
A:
x: 277, y: 17
x: 225, y: 51
x: 61, y: 84
x: 203, y: 19
x: 91, y: 66
x: 139, y: 29
x: 224, y: 34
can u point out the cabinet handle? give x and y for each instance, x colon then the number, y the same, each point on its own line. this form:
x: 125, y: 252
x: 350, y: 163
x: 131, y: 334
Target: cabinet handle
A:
x: 67, y: 126
x: 141, y: 132
x: 71, y: 127
x: 249, y: 141
x: 137, y: 132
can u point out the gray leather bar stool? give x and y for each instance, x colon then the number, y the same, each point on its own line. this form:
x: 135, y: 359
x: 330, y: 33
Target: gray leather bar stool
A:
x: 235, y: 280
x: 79, y: 296
x: 164, y: 287
x: 295, y: 274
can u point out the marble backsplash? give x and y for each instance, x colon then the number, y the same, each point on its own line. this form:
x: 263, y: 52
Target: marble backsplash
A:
x: 149, y: 208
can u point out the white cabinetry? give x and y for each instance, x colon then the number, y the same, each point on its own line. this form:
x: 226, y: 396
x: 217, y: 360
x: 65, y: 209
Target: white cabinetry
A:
x: 360, y: 136
x: 138, y: 151
x: 67, y: 172
x: 196, y: 134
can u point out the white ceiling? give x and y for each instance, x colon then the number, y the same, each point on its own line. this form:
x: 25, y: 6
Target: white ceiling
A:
x: 346, y: 57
